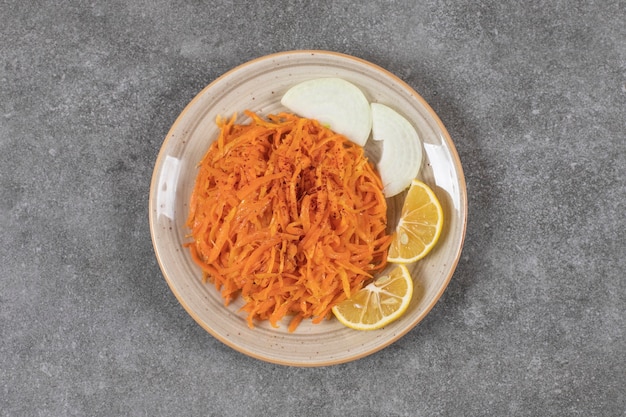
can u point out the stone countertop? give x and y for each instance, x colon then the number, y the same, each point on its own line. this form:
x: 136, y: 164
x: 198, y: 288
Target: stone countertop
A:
x: 533, y: 320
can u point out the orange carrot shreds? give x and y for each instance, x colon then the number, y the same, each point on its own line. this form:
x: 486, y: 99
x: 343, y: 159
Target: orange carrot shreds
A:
x: 288, y: 215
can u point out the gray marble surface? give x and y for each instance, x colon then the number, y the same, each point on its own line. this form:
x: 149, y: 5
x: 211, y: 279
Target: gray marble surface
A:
x: 532, y: 93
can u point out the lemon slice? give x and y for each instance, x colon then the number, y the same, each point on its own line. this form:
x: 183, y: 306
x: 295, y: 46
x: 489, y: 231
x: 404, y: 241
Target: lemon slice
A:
x: 419, y: 228
x: 334, y: 102
x: 379, y: 303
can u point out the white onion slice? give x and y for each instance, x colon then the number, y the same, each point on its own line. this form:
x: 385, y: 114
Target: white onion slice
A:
x: 401, y: 156
x: 335, y: 103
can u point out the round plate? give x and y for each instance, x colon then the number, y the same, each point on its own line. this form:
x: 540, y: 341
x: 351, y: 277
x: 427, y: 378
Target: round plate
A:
x: 258, y: 85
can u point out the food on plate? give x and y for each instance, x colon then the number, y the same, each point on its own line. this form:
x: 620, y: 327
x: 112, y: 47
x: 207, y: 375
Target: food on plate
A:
x: 288, y: 215
x: 401, y: 157
x: 379, y: 302
x: 334, y: 102
x: 419, y: 228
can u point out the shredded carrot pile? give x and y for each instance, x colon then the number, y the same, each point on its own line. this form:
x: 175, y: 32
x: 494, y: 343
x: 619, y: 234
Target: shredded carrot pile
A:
x: 288, y: 215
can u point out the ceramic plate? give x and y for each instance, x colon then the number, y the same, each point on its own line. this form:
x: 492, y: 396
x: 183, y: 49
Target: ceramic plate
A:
x: 258, y: 85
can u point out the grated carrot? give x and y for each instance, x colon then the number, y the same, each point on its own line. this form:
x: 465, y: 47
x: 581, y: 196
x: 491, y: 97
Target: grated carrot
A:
x: 288, y: 215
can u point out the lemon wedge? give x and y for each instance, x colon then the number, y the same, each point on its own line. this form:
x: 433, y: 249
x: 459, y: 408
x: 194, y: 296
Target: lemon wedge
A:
x: 401, y: 157
x: 378, y: 303
x: 335, y: 103
x: 419, y: 227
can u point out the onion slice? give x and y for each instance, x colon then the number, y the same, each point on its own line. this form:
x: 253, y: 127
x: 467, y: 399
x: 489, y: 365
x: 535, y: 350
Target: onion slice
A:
x: 335, y: 103
x: 401, y: 156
